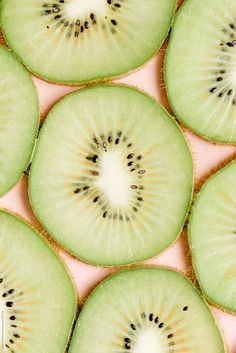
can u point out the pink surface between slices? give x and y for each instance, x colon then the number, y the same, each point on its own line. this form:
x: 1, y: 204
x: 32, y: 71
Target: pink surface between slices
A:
x: 207, y: 156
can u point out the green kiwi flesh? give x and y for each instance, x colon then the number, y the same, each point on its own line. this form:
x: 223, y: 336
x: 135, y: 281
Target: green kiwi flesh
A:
x: 77, y: 41
x: 111, y: 177
x: 212, y: 234
x: 146, y: 310
x: 38, y: 300
x: 200, y: 68
x: 19, y: 119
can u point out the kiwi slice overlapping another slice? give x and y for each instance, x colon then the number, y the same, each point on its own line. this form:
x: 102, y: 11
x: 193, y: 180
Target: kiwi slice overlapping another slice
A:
x: 146, y: 310
x: 212, y: 234
x: 200, y: 68
x: 76, y: 41
x: 38, y: 300
x: 111, y: 178
x: 19, y: 119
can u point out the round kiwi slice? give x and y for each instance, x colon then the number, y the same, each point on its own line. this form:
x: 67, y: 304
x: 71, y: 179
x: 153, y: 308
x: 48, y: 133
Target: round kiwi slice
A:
x: 111, y: 178
x: 38, y: 300
x: 200, y: 68
x: 212, y: 234
x: 76, y: 41
x: 146, y: 310
x: 19, y: 119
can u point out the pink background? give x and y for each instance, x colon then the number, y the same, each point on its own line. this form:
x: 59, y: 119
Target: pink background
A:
x: 207, y: 157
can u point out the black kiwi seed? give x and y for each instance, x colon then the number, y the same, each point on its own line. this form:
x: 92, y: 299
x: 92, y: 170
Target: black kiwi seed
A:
x: 156, y: 320
x: 96, y: 199
x: 230, y: 44
x: 212, y: 90
x: 133, y: 327
x: 230, y: 92
x: 117, y: 141
x: 161, y: 325
x: 219, y: 79
x: 127, y: 340
x: 77, y: 22
x: 151, y: 317
x: 86, y: 24
x: 66, y: 24
x: 170, y: 335
x: 127, y: 346
x: 185, y: 308
x: 114, y: 22
x: 9, y: 304
x: 105, y: 214
x: 130, y: 155
x: 76, y: 191
x: 134, y: 187
x: 117, y: 5
x: 232, y: 25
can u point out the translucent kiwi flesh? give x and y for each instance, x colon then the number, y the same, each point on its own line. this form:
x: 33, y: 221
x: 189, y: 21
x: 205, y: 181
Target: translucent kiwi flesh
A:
x: 37, y: 306
x: 149, y: 310
x: 200, y: 68
x: 77, y: 41
x: 108, y: 161
x: 212, y: 234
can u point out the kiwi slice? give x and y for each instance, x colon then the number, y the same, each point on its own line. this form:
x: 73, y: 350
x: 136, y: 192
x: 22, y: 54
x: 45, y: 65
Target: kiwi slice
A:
x: 146, y: 310
x: 19, y: 119
x: 200, y: 68
x: 76, y: 41
x: 111, y: 178
x: 38, y: 300
x: 212, y: 234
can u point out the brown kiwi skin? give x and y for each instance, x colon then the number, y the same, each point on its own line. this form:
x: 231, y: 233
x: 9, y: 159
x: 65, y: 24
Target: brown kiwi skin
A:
x: 178, y: 118
x: 181, y: 273
x: 95, y: 81
x: 190, y: 200
x: 52, y: 247
x: 196, y: 195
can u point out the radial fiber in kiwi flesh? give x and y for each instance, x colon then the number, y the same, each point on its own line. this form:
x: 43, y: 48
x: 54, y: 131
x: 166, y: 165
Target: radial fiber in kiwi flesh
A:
x: 212, y: 235
x: 76, y: 41
x: 111, y: 177
x: 19, y: 119
x: 201, y: 68
x: 146, y: 310
x: 37, y: 298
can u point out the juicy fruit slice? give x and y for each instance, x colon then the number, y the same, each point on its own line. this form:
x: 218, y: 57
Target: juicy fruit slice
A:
x: 75, y: 41
x: 111, y: 178
x: 19, y: 119
x: 201, y: 68
x: 149, y: 310
x: 212, y: 234
x: 37, y: 297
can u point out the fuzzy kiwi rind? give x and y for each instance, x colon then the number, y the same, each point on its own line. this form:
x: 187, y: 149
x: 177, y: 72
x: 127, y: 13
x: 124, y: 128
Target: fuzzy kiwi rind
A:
x: 180, y: 119
x: 196, y: 197
x: 134, y: 267
x: 172, y: 118
x: 55, y: 254
x: 95, y: 80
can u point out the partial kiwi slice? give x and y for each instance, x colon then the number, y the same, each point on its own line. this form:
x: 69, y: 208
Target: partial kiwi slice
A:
x: 19, y: 119
x: 76, y: 41
x: 200, y: 68
x: 146, y: 310
x: 111, y: 178
x: 212, y: 234
x: 38, y: 300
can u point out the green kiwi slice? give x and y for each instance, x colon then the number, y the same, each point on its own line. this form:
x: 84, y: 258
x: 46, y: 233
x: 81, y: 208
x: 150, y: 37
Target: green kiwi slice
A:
x: 76, y: 41
x: 19, y: 119
x: 38, y: 300
x: 111, y: 178
x: 200, y: 68
x: 212, y: 234
x: 146, y: 310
